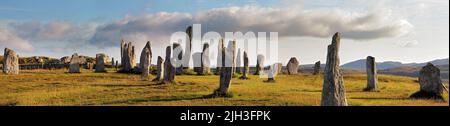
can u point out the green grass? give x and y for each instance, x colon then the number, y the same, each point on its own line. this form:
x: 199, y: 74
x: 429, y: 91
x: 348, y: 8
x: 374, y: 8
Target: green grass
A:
x: 57, y: 88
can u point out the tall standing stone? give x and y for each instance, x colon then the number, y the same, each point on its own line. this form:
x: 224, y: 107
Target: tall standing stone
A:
x: 245, y: 69
x: 169, y: 68
x: 159, y: 69
x: 100, y: 63
x: 219, y: 56
x: 204, y: 61
x: 179, y: 58
x: 113, y: 64
x: 259, y: 64
x: 372, y: 77
x: 188, y: 51
x: 74, y: 66
x: 145, y: 63
x: 333, y: 92
x: 232, y: 49
x: 144, y: 57
x: 10, y: 62
x: 238, y: 62
x: 431, y: 86
x: 225, y: 72
x: 128, y: 57
x: 292, y: 66
x: 122, y: 51
x: 316, y: 68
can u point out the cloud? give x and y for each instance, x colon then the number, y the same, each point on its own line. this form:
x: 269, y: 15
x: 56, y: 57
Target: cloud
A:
x: 11, y: 40
x: 407, y: 44
x: 289, y: 22
x: 53, y: 31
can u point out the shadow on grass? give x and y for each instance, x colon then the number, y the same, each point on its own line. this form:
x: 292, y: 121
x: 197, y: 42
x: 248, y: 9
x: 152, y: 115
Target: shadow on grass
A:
x: 157, y: 99
x: 363, y: 98
x: 129, y: 85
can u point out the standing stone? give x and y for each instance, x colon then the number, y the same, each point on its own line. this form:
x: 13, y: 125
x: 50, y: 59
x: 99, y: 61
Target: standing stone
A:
x: 431, y: 86
x: 219, y: 56
x: 117, y: 64
x: 316, y: 68
x: 74, y: 64
x: 245, y: 69
x: 100, y: 63
x: 10, y: 62
x: 279, y: 68
x: 179, y: 57
x: 225, y: 73
x: 372, y: 77
x: 259, y: 64
x: 273, y: 71
x: 232, y: 49
x: 169, y: 68
x: 113, y: 63
x: 292, y: 66
x: 145, y: 62
x: 128, y: 57
x: 147, y: 49
x: 187, y: 53
x: 238, y: 62
x: 159, y: 69
x: 122, y: 52
x: 202, y: 60
x: 333, y: 92
x: 206, y: 63
x: 197, y: 58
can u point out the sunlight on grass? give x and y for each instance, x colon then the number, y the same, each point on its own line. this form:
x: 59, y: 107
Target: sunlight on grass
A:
x: 58, y: 88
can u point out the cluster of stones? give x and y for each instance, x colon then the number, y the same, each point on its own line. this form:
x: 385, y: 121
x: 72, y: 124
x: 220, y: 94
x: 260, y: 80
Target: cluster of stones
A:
x: 128, y: 57
x: 229, y: 62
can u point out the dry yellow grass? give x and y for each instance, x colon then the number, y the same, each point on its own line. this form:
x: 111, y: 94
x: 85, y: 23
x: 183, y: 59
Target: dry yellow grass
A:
x: 57, y: 88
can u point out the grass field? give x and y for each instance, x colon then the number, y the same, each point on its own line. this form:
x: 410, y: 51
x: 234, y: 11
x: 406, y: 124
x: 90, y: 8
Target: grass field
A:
x: 57, y: 88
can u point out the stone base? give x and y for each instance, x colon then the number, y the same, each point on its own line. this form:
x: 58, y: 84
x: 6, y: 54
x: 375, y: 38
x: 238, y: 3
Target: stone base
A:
x: 270, y: 80
x: 218, y: 94
x: 243, y: 78
x: 426, y: 95
x: 370, y: 90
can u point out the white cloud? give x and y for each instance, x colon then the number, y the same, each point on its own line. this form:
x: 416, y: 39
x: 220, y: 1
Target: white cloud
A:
x: 289, y: 22
x: 11, y: 40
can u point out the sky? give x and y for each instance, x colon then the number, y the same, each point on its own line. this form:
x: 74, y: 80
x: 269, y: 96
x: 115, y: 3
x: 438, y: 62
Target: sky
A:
x: 390, y: 30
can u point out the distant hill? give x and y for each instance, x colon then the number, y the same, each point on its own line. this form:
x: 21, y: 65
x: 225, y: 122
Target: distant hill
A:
x: 361, y: 64
x: 413, y: 71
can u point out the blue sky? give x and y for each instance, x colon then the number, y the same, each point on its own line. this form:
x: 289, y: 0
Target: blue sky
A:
x: 398, y: 30
x: 106, y: 10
